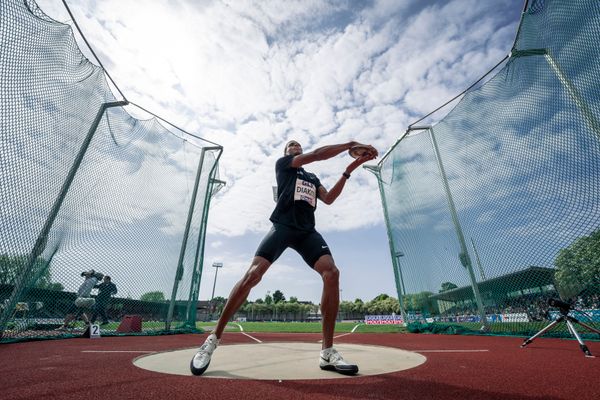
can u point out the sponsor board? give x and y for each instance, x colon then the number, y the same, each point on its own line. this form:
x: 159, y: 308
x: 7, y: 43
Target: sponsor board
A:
x: 585, y: 315
x: 383, y: 320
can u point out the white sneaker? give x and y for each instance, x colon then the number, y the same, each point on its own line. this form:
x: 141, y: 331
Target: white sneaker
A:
x: 333, y: 361
x: 201, y: 360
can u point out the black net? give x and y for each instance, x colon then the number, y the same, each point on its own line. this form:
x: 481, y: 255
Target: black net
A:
x: 494, y: 211
x: 88, y: 188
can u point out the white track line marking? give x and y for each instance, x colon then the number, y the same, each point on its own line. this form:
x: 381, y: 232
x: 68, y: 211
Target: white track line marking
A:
x: 239, y: 326
x: 245, y: 334
x: 450, y: 351
x: 251, y: 337
x: 118, y: 351
x: 343, y: 334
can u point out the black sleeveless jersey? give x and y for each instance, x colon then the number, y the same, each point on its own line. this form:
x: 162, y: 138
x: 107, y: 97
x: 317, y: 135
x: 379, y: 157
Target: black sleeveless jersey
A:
x: 296, y: 196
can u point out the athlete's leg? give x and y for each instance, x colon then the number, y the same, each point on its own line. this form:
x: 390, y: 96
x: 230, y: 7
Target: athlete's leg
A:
x: 241, y: 290
x: 268, y: 251
x: 329, y: 358
x: 238, y: 295
x: 330, y: 298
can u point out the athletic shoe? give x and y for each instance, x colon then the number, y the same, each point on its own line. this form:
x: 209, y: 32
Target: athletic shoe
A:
x: 201, y: 360
x: 331, y: 360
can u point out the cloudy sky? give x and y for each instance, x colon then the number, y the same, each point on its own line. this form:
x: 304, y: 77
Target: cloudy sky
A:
x: 250, y: 75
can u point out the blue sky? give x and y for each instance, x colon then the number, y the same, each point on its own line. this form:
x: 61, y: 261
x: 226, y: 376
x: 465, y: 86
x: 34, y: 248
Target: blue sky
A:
x: 252, y: 75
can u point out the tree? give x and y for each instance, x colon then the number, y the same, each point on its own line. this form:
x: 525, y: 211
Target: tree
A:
x: 358, y: 307
x: 293, y: 299
x: 292, y: 307
x: 346, y: 307
x: 268, y: 299
x: 447, y: 286
x: 40, y: 277
x: 390, y: 305
x: 382, y: 296
x: 218, y: 303
x: 278, y: 296
x: 374, y: 307
x: 578, y: 265
x: 155, y: 297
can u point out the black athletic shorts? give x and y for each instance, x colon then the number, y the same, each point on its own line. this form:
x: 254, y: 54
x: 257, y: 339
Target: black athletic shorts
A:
x: 310, y: 245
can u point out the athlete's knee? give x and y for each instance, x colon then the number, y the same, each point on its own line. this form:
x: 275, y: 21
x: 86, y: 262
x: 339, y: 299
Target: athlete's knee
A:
x: 325, y: 266
x: 255, y: 273
x: 252, y: 277
x: 331, y: 275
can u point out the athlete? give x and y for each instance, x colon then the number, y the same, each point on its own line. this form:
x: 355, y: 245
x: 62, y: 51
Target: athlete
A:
x: 294, y: 226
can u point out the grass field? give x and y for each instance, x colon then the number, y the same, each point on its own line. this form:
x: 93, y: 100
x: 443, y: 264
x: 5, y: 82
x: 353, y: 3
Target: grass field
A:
x: 513, y: 329
x: 289, y: 327
x: 304, y: 327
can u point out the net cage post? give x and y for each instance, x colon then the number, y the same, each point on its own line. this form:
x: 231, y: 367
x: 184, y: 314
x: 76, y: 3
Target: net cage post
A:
x: 464, y: 257
x: 42, y: 239
x: 376, y: 170
x: 574, y: 94
x: 479, y: 265
x: 199, y: 256
x: 190, y: 321
x: 179, y: 270
x: 214, y: 186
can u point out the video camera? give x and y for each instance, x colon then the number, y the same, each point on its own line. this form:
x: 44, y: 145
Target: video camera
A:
x: 562, y: 305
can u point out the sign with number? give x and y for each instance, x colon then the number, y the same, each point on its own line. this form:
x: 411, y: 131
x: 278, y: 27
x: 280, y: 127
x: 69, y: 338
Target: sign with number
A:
x: 94, y: 331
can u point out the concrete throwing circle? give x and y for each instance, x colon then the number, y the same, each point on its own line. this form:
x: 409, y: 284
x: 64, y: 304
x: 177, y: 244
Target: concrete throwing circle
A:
x: 281, y: 361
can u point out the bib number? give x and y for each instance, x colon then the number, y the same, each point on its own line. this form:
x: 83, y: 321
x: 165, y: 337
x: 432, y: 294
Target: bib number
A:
x: 305, y: 191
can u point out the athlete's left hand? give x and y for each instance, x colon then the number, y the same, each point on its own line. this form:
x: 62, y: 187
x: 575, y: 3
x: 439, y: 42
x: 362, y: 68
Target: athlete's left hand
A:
x: 361, y: 160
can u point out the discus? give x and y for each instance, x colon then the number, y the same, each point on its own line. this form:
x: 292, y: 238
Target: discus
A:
x: 359, y: 150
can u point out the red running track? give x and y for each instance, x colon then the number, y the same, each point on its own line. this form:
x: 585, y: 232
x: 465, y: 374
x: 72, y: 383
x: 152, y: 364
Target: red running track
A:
x: 546, y: 369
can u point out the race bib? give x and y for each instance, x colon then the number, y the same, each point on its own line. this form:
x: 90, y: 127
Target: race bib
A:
x: 305, y: 191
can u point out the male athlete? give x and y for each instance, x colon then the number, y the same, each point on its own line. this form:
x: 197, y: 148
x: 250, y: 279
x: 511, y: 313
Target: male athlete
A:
x: 294, y: 226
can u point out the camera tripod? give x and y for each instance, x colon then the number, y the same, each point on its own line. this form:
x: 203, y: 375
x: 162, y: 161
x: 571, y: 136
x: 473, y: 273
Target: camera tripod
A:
x: 565, y: 308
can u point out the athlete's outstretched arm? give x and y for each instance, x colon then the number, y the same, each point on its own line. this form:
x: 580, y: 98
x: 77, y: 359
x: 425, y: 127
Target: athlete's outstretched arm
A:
x: 329, y: 197
x: 323, y: 153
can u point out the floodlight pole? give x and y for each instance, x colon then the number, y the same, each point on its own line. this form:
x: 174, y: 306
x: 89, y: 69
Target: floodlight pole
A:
x: 42, y: 239
x: 464, y: 258
x: 216, y: 266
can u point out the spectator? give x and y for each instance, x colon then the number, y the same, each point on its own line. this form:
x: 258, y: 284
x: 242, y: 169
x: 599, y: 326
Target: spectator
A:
x: 84, y: 301
x: 105, y: 291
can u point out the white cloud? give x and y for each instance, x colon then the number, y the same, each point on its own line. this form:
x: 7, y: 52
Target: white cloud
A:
x: 251, y: 74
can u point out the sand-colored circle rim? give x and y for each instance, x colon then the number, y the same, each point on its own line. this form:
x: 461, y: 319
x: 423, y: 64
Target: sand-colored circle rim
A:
x: 281, y: 360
